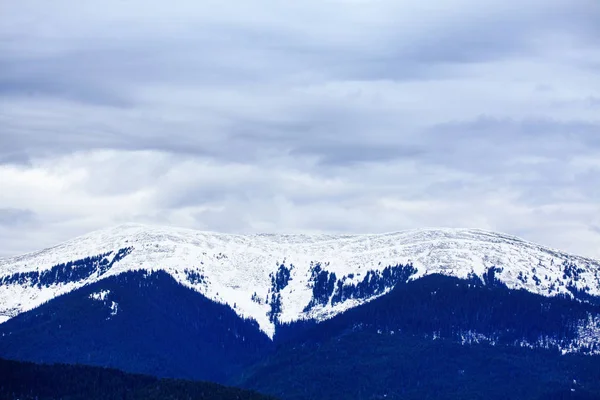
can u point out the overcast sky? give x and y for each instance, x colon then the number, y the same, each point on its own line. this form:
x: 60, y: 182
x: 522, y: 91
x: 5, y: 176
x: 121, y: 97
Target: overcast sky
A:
x: 300, y: 116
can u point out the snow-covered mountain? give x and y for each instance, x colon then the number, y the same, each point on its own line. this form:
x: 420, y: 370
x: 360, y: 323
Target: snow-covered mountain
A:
x: 284, y: 278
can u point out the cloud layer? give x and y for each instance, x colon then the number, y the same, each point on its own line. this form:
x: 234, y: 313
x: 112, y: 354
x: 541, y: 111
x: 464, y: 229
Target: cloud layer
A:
x: 336, y: 115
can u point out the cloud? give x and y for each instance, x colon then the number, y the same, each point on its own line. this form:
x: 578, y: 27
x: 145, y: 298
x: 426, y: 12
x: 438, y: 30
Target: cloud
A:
x: 15, y: 216
x: 337, y: 115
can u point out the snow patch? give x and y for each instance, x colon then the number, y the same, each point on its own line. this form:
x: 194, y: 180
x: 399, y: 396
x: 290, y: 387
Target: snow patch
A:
x: 114, y: 308
x: 100, y: 296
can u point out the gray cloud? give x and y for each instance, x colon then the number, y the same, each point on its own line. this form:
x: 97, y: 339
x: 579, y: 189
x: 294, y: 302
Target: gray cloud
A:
x: 13, y: 216
x: 340, y: 115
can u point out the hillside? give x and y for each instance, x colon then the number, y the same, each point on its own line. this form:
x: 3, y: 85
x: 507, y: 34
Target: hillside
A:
x: 367, y: 365
x: 436, y: 338
x: 138, y: 322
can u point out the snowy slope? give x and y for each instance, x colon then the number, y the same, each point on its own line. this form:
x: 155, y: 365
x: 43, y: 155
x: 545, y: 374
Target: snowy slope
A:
x: 238, y: 269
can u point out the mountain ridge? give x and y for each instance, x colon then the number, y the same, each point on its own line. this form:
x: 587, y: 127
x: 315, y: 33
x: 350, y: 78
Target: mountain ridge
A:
x: 277, y: 277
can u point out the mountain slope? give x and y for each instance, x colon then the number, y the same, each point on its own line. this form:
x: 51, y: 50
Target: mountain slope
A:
x: 438, y: 338
x: 367, y: 365
x: 465, y: 311
x: 138, y: 322
x: 284, y: 278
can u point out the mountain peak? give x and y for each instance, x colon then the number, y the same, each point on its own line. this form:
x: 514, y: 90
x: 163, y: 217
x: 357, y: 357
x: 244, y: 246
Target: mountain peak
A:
x: 138, y: 230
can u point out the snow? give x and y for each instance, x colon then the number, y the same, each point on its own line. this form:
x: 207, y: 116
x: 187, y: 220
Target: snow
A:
x: 237, y: 266
x: 114, y: 308
x: 4, y: 318
x: 100, y: 296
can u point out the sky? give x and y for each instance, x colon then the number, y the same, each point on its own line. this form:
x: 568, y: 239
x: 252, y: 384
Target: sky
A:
x: 349, y: 116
